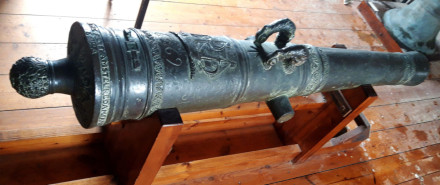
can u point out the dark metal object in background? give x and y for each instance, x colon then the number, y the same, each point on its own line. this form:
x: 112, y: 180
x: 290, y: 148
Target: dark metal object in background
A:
x: 116, y: 75
x: 141, y: 14
x: 416, y: 25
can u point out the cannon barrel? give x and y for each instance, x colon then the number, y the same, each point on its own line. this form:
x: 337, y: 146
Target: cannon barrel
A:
x: 115, y: 75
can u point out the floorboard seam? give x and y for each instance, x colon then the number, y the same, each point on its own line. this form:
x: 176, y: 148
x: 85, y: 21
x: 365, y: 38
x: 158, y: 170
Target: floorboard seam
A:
x: 33, y: 43
x: 410, y: 101
x: 311, y: 182
x: 434, y: 120
x: 229, y: 6
x: 419, y: 177
x: 160, y: 22
x: 358, y: 162
x: 36, y: 108
x: 351, y: 178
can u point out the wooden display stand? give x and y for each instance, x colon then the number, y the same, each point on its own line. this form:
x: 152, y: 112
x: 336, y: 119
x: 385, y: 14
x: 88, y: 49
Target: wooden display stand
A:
x: 138, y: 149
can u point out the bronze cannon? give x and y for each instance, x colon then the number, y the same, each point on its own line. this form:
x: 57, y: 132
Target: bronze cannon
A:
x: 116, y: 75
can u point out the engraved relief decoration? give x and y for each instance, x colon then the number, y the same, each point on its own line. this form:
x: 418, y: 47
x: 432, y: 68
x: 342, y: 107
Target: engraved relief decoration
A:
x: 212, y: 55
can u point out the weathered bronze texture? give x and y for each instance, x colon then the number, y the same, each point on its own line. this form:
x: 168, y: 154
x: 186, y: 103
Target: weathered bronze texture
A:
x: 415, y: 26
x: 116, y: 75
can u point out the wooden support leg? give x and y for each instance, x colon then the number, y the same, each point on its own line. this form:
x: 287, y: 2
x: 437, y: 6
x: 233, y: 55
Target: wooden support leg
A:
x: 314, y: 134
x: 141, y: 14
x: 378, y: 28
x: 351, y: 138
x: 318, y: 125
x: 137, y: 149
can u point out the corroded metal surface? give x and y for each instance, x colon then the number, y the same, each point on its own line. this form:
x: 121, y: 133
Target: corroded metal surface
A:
x: 129, y: 74
x: 415, y: 26
x: 31, y: 77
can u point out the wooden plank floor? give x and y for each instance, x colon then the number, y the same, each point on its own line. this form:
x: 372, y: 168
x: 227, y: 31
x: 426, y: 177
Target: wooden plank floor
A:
x: 404, y: 144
